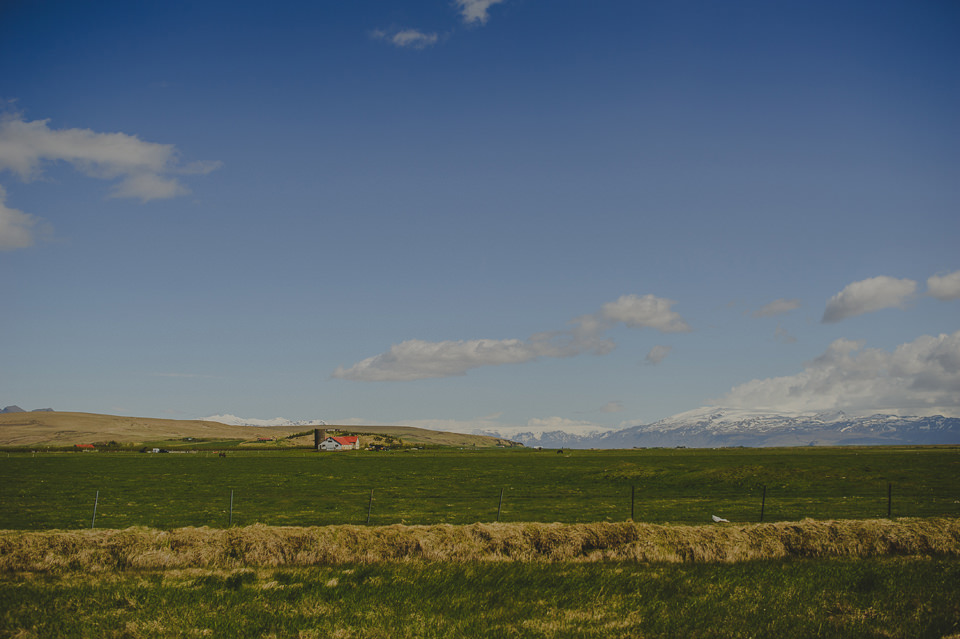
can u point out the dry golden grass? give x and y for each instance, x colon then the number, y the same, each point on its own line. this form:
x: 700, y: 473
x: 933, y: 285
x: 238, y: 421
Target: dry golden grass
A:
x: 65, y: 429
x: 266, y: 546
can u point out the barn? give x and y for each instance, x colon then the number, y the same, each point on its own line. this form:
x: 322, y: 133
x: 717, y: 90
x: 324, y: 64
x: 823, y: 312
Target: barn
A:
x: 346, y: 442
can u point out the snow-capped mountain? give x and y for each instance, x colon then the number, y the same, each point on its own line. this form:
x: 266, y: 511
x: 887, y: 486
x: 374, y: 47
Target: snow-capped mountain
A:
x: 233, y: 420
x: 547, y: 439
x: 711, y: 427
x: 714, y: 427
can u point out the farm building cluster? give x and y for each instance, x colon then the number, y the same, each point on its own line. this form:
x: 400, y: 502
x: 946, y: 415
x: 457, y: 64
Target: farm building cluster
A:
x: 346, y: 442
x: 322, y: 442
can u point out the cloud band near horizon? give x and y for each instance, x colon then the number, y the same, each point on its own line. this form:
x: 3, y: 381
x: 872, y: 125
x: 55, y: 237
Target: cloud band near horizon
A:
x: 418, y: 359
x: 918, y: 377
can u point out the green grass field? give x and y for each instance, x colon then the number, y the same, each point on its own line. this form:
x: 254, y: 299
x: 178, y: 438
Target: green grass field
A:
x: 871, y: 596
x: 58, y: 490
x: 882, y: 597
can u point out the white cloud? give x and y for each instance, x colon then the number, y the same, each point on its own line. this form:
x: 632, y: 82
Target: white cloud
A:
x: 417, y: 359
x: 867, y: 296
x: 647, y: 311
x: 149, y: 186
x: 657, y: 354
x: 919, y: 377
x: 777, y: 307
x: 944, y: 287
x: 144, y: 170
x: 612, y: 407
x: 16, y: 227
x: 475, y: 11
x: 407, y: 38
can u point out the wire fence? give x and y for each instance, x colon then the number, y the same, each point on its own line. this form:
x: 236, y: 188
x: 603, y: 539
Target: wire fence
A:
x: 222, y: 506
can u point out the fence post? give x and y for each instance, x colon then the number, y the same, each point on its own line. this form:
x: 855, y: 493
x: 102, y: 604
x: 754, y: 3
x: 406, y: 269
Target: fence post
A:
x: 633, y: 490
x: 889, y: 499
x: 763, y: 502
x: 370, y: 507
x: 231, y: 510
x: 500, y: 505
x: 96, y: 500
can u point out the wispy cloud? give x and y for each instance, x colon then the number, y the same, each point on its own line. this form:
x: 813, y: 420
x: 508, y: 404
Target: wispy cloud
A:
x: 475, y: 11
x: 777, y: 307
x: 612, y: 407
x: 472, y: 12
x: 144, y: 170
x: 782, y: 335
x: 868, y: 295
x: 919, y: 377
x: 657, y: 354
x: 944, y: 287
x: 418, y: 359
x: 646, y: 311
x: 406, y: 38
x: 17, y: 229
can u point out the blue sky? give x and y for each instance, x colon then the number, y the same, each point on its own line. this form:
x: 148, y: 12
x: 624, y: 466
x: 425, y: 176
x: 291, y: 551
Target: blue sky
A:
x: 512, y: 214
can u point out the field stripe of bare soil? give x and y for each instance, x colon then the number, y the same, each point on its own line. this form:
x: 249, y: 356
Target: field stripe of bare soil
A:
x: 270, y: 546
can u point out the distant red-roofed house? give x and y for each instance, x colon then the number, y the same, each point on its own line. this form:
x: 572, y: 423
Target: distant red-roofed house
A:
x: 84, y: 447
x: 346, y: 442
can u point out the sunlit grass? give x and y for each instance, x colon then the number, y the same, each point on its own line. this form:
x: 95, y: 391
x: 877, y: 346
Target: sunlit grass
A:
x: 57, y: 490
x: 882, y: 597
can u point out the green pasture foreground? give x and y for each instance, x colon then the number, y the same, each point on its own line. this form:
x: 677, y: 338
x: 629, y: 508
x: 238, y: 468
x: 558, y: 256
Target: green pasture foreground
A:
x: 880, y: 597
x: 297, y: 488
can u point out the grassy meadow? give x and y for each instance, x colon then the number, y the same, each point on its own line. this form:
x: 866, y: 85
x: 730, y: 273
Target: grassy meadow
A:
x: 878, y: 597
x: 300, y: 560
x: 299, y: 488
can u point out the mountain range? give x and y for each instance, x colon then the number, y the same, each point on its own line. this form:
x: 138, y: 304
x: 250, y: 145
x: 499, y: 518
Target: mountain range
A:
x: 708, y: 427
x: 16, y: 409
x: 713, y: 427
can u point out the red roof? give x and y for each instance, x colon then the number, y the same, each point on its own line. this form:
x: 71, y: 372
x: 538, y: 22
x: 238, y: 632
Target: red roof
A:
x: 347, y: 440
x: 84, y: 446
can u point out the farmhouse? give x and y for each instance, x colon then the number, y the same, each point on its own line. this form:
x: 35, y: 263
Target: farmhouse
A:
x: 84, y: 447
x: 347, y: 442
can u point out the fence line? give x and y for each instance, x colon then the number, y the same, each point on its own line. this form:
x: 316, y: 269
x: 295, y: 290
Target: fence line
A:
x: 568, y: 504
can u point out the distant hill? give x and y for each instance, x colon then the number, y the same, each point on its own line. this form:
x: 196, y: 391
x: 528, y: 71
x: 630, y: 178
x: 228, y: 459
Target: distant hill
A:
x: 411, y: 435
x: 17, y: 409
x: 50, y: 428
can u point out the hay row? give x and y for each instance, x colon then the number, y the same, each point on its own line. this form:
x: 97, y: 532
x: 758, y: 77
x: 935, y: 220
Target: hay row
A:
x: 268, y: 546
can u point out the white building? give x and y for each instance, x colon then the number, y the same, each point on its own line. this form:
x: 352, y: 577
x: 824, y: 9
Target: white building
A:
x: 347, y: 442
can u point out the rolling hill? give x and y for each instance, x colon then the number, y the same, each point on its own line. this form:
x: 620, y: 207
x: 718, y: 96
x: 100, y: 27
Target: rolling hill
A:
x: 65, y: 429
